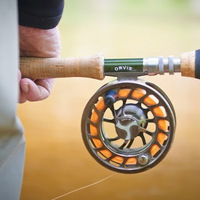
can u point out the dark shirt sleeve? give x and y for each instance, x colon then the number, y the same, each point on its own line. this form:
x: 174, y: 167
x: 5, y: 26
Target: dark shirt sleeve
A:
x: 43, y: 14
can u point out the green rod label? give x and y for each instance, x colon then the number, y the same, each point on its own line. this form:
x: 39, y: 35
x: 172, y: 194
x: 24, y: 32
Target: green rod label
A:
x: 123, y: 65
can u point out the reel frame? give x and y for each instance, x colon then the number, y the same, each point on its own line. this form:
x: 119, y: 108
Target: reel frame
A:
x: 142, y: 104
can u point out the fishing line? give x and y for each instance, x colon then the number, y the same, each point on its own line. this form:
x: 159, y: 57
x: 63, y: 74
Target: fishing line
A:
x: 84, y: 187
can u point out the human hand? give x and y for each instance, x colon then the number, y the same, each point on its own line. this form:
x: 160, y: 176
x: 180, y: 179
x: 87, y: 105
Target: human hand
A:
x: 34, y: 90
x: 38, y: 43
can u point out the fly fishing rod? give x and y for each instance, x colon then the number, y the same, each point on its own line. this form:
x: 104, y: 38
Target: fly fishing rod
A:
x: 128, y: 125
x: 97, y: 67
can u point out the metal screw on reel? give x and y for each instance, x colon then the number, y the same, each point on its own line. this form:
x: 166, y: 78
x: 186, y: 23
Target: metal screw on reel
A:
x: 128, y: 126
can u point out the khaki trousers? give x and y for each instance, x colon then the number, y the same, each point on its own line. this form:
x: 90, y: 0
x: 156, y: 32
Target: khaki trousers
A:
x: 12, y: 143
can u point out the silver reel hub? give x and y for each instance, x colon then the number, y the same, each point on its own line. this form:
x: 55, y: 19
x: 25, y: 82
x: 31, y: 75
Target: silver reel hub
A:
x: 129, y: 120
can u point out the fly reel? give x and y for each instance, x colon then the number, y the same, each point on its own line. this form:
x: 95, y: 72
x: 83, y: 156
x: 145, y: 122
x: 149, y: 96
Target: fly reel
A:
x: 128, y: 125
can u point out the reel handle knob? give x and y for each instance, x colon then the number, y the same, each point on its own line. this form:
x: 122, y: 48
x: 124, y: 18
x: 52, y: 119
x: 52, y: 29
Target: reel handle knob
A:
x: 190, y: 64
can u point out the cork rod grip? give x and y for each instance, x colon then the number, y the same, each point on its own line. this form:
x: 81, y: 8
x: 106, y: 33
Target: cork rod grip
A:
x: 41, y: 68
x: 190, y: 64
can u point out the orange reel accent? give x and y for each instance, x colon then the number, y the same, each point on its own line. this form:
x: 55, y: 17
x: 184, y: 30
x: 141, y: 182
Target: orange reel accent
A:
x: 101, y: 104
x: 94, y: 117
x: 118, y: 159
x: 162, y: 124
x: 138, y: 93
x: 158, y: 112
x: 97, y: 142
x: 123, y: 93
x: 106, y: 153
x: 93, y: 130
x: 161, y: 138
x: 154, y: 149
x: 131, y: 161
x: 149, y: 101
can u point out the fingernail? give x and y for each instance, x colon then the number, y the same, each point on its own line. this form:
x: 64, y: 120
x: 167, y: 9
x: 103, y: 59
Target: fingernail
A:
x: 25, y: 87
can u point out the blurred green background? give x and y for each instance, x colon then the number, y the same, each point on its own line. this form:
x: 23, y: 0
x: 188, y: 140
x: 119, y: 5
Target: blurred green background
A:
x: 57, y: 161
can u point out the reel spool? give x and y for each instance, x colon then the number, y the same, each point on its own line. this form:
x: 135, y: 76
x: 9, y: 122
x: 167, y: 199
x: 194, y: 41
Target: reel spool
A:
x: 128, y: 126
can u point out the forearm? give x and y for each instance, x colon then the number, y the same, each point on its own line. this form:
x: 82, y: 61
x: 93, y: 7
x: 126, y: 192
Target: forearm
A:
x: 39, y: 42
